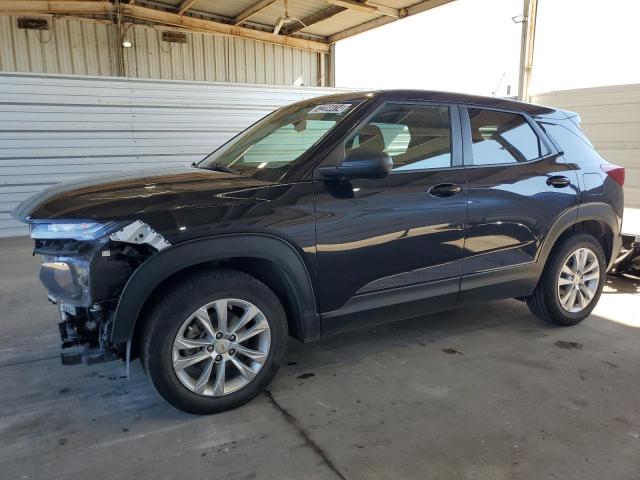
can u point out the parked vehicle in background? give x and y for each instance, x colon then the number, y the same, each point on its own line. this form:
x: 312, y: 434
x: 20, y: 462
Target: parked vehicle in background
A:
x: 326, y: 215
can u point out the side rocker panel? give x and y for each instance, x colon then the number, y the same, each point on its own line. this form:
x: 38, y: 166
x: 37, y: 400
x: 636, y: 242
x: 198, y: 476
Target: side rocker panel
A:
x: 184, y: 255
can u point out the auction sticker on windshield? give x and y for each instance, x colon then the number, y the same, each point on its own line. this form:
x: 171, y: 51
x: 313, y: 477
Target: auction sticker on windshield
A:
x: 338, y: 108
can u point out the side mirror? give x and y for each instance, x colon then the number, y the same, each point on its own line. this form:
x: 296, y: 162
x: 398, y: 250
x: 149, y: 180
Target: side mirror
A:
x: 361, y: 163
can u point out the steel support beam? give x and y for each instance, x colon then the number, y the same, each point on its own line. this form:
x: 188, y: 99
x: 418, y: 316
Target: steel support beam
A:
x: 332, y: 66
x: 530, y: 13
x: 17, y: 7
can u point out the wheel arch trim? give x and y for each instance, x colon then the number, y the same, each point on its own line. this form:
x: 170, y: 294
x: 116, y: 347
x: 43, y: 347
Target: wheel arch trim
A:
x: 598, y: 211
x: 170, y: 261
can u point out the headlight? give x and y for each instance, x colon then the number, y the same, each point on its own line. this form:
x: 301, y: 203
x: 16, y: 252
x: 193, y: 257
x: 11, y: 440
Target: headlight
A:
x: 71, y: 231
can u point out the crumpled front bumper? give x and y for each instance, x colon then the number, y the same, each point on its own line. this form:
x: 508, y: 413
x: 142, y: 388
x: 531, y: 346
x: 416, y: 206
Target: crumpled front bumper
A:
x: 85, y: 284
x: 80, y: 344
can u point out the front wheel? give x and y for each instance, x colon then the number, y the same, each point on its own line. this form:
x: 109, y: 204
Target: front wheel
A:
x: 571, y: 283
x: 214, y: 342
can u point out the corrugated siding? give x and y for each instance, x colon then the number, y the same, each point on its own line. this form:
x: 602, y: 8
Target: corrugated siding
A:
x: 611, y: 120
x: 218, y: 59
x: 84, y: 47
x: 55, y: 128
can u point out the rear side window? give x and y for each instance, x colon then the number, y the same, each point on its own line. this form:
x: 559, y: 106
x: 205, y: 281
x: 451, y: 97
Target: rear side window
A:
x: 572, y: 141
x: 416, y: 137
x: 502, y: 137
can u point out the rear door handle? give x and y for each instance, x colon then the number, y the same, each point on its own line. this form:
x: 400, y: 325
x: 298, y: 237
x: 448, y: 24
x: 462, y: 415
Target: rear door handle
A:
x: 558, y: 181
x: 445, y: 190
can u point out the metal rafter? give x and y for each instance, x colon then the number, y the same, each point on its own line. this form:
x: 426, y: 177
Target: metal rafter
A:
x: 367, y: 7
x: 186, y: 5
x: 313, y: 19
x: 251, y: 11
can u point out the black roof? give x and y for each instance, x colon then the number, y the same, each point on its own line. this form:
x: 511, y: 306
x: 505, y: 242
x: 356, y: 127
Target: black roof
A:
x: 450, y: 97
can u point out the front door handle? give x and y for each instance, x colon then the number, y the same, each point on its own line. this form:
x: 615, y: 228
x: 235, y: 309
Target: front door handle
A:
x: 445, y: 190
x: 558, y: 181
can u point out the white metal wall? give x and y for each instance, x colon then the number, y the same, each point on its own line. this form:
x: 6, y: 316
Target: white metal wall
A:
x: 55, y: 128
x: 611, y: 120
x: 90, y: 47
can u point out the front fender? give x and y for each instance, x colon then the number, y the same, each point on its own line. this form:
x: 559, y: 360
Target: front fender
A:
x: 174, y: 259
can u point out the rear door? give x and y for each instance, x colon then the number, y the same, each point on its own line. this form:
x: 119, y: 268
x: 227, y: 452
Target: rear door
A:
x: 518, y: 186
x: 396, y: 240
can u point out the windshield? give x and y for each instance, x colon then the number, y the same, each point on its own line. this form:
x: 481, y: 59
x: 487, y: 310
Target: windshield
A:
x: 270, y: 147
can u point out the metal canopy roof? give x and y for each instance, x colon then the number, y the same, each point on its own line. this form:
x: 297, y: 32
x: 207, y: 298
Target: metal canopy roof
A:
x: 308, y: 24
x: 320, y: 18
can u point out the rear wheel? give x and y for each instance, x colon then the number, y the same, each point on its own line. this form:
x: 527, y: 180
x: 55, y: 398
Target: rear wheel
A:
x: 571, y: 283
x: 215, y: 341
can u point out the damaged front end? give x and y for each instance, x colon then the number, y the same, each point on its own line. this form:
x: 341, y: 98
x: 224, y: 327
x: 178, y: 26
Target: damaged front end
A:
x: 85, y: 267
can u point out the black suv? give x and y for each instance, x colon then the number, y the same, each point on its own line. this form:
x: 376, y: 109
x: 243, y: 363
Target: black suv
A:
x: 326, y: 215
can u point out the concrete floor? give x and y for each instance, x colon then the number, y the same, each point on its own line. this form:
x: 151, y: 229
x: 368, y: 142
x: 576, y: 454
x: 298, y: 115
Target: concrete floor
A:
x: 484, y: 392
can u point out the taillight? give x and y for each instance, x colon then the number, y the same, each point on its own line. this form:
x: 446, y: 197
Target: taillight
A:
x: 615, y: 172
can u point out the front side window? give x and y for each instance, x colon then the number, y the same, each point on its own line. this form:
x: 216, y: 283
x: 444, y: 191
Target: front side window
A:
x: 270, y: 147
x: 416, y: 137
x: 502, y: 137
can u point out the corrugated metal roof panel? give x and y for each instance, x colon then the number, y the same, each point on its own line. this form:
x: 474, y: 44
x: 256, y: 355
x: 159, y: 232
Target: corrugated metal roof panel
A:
x: 340, y: 22
x: 56, y: 128
x: 225, y: 8
x: 297, y: 8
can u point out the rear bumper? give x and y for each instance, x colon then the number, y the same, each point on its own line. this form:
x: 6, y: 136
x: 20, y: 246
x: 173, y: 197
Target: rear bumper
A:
x: 628, y: 259
x: 617, y: 245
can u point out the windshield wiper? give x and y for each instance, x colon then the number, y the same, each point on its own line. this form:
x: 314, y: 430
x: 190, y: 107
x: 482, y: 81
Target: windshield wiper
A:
x: 216, y: 167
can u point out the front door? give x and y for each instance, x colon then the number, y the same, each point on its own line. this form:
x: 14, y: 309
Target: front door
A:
x: 398, y: 240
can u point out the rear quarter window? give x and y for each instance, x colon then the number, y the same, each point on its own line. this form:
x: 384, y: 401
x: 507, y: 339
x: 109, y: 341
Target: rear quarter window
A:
x: 571, y: 140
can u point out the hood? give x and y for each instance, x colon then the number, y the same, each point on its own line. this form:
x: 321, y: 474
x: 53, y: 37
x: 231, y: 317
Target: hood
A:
x: 139, y: 193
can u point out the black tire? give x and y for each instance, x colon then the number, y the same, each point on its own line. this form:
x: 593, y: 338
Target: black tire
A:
x: 544, y: 302
x: 177, y: 305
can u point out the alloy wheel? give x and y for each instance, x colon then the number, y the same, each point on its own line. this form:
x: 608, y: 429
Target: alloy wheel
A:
x: 578, y: 280
x: 221, y: 347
